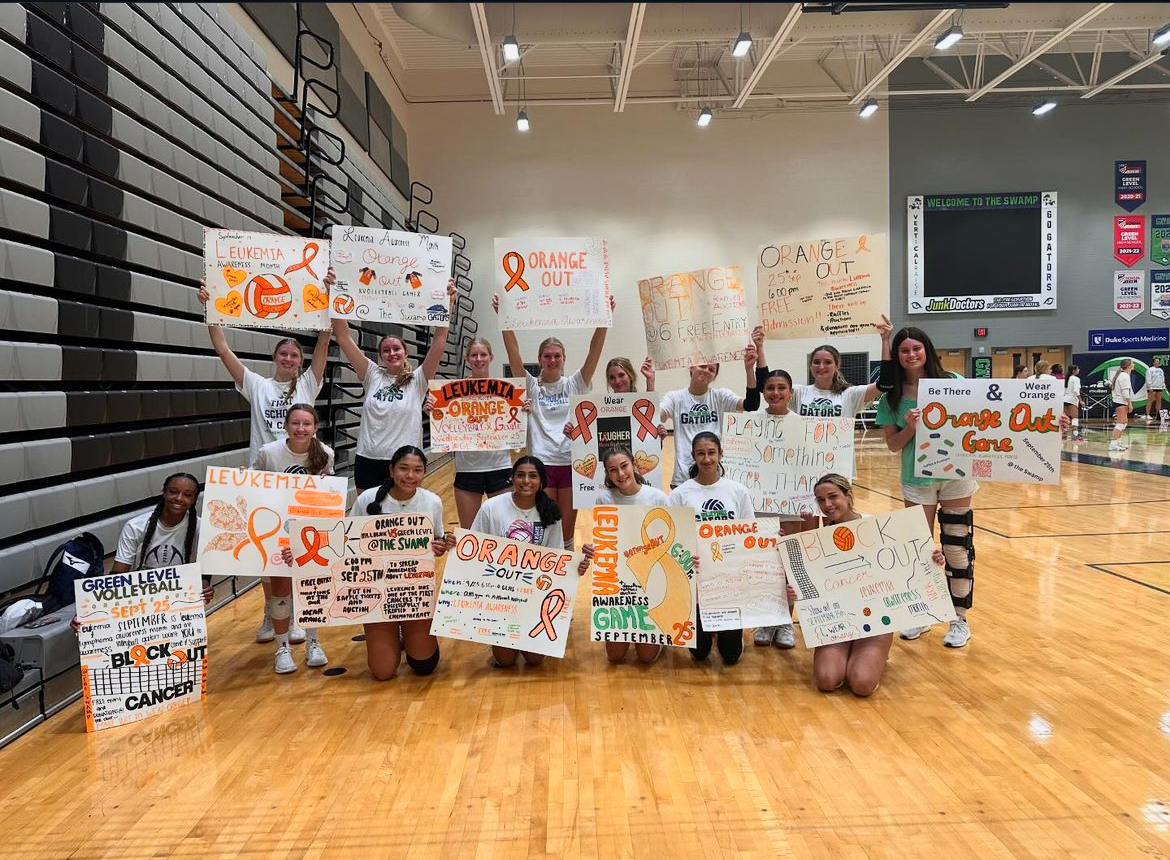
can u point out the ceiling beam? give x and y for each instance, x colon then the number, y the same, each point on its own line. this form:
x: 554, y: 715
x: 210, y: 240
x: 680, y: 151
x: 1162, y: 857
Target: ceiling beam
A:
x: 629, y: 52
x: 487, y: 54
x: 896, y: 60
x: 1125, y: 73
x: 1036, y: 52
x: 773, y: 50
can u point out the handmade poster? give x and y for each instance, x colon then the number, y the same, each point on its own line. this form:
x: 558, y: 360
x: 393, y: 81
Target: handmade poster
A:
x: 1160, y: 293
x: 981, y: 252
x: 478, y: 415
x: 1129, y: 293
x: 992, y: 430
x: 363, y: 570
x: 823, y: 287
x: 143, y: 643
x: 780, y: 457
x: 553, y: 283
x: 602, y: 421
x: 390, y: 276
x: 265, y: 280
x: 1129, y: 184
x: 865, y: 578
x: 1129, y: 238
x: 643, y: 588
x: 1160, y: 239
x: 697, y: 317
x: 504, y: 592
x: 741, y: 580
x: 245, y: 516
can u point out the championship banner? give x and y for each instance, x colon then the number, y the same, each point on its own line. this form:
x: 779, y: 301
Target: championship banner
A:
x: 143, y: 643
x: 245, y: 514
x: 363, y: 570
x: 823, y: 287
x: 602, y: 421
x: 1160, y: 239
x: 1129, y: 238
x: 553, y: 283
x: 643, y: 588
x: 1129, y: 293
x: 478, y: 415
x: 1129, y: 184
x: 741, y: 580
x: 509, y: 593
x: 697, y: 317
x: 390, y: 276
x: 1160, y: 293
x: 866, y: 578
x: 780, y: 457
x: 992, y: 430
x: 265, y: 280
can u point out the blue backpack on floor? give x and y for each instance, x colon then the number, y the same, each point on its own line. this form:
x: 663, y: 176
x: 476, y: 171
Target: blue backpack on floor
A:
x: 75, y: 559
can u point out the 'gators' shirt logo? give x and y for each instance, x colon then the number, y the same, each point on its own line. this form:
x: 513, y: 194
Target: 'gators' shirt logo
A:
x: 822, y: 407
x: 700, y: 413
x: 713, y: 509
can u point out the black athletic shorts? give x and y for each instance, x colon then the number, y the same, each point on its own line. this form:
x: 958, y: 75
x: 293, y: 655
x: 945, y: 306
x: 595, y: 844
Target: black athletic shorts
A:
x: 484, y: 483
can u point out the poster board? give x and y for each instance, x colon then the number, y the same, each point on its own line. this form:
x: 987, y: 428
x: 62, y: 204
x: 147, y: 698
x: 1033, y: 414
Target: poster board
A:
x: 741, y: 580
x: 780, y: 457
x: 498, y: 591
x: 478, y: 415
x: 265, y: 280
x: 822, y: 288
x: 553, y: 283
x: 643, y: 584
x: 696, y: 317
x: 390, y: 276
x: 866, y: 578
x: 990, y: 430
x: 363, y: 570
x: 601, y: 421
x: 143, y: 643
x: 245, y: 512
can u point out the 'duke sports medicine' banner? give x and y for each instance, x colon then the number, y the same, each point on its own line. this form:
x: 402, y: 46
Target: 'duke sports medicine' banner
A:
x: 478, y: 415
x: 390, y: 276
x: 553, y: 283
x: 245, y: 512
x: 1129, y: 293
x: 602, y: 421
x: 265, y: 279
x: 866, y: 577
x: 992, y: 430
x: 780, y: 457
x: 143, y: 642
x: 363, y: 570
x: 509, y: 593
x: 697, y: 317
x: 823, y: 287
x: 741, y: 580
x: 643, y: 575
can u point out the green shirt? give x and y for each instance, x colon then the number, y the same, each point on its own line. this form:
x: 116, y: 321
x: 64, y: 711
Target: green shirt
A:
x: 886, y: 417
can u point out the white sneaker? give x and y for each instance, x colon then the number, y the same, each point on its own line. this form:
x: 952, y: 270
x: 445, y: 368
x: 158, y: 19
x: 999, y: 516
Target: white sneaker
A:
x: 912, y: 633
x: 764, y: 635
x: 315, y: 655
x: 284, y: 661
x: 265, y: 633
x: 958, y: 634
x: 1115, y: 446
x: 785, y: 636
x: 295, y: 634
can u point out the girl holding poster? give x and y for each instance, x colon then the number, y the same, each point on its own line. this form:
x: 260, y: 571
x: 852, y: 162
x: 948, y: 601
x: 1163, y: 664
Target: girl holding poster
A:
x: 915, y: 359
x: 619, y: 375
x: 300, y: 452
x: 549, y: 395
x: 713, y: 497
x: 479, y: 473
x: 1121, y: 393
x: 395, y: 393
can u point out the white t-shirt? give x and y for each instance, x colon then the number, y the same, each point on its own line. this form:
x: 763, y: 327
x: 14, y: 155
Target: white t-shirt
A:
x: 692, y: 415
x: 392, y: 416
x: 817, y: 402
x: 276, y: 457
x: 550, y: 412
x: 724, y: 500
x: 270, y: 402
x: 500, y: 516
x: 1155, y: 379
x: 1045, y: 376
x: 1122, y: 388
x: 422, y: 502
x: 166, y: 545
x: 646, y: 495
x: 1072, y: 391
x: 482, y: 461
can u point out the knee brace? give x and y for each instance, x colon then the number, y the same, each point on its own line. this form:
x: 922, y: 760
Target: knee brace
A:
x: 1119, y: 427
x: 279, y: 608
x: 424, y: 667
x: 958, y: 546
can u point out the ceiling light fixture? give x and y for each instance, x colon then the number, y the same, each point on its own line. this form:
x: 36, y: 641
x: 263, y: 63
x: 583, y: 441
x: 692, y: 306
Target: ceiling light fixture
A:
x: 705, y: 117
x: 949, y: 39
x: 511, y: 49
x: 1043, y: 108
x: 743, y: 44
x: 1162, y: 36
x: 522, y: 120
x: 868, y: 109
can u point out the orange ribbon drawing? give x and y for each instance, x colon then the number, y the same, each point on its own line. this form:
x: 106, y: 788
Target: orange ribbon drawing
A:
x: 308, y: 254
x: 643, y: 412
x: 552, y: 605
x: 514, y: 271
x: 320, y: 540
x: 258, y: 539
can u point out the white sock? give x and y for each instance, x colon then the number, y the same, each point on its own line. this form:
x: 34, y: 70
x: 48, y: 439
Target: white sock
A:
x: 310, y: 634
x: 1076, y: 422
x: 281, y: 640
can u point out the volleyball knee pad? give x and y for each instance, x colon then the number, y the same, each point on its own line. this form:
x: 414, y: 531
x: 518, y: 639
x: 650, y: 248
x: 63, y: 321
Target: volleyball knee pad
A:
x: 426, y: 666
x: 958, y: 545
x: 280, y: 608
x: 1119, y: 427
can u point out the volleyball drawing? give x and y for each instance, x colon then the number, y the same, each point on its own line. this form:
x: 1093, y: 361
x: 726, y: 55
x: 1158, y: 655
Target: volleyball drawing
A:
x: 343, y: 304
x: 544, y: 582
x: 267, y: 296
x: 843, y: 539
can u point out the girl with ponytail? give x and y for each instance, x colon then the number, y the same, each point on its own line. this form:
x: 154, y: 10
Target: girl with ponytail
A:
x: 300, y: 452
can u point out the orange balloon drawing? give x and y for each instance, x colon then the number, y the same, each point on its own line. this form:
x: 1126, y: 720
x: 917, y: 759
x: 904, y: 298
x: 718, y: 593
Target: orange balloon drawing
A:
x: 843, y: 539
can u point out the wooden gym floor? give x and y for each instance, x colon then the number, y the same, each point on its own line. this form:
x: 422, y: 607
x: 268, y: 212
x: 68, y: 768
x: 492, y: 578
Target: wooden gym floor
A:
x: 1048, y: 736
